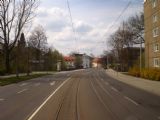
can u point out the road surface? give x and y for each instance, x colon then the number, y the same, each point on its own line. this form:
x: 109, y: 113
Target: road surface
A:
x: 80, y: 95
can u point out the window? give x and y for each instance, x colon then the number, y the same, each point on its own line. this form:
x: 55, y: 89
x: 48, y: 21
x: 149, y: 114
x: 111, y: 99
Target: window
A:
x: 156, y: 62
x: 156, y: 47
x: 155, y: 32
x: 154, y: 3
x: 155, y: 18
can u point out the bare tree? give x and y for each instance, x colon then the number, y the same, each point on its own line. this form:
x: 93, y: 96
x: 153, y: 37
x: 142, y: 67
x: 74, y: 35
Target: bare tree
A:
x: 38, y: 38
x: 121, y: 41
x: 38, y: 41
x: 136, y: 24
x: 14, y: 15
x: 129, y: 33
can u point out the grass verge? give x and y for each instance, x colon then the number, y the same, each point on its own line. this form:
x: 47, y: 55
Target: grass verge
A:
x: 11, y: 80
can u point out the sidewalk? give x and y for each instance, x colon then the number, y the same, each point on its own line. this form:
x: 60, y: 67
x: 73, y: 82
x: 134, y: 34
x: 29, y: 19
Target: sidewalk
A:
x: 147, y: 85
x: 40, y: 72
x: 24, y: 74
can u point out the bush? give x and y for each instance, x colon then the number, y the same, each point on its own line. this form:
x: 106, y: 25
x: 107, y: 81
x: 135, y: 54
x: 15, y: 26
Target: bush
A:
x: 134, y: 71
x: 2, y: 72
x: 152, y: 74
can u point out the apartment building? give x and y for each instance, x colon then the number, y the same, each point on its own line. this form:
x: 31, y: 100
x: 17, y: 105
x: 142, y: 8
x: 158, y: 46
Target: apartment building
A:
x: 152, y: 33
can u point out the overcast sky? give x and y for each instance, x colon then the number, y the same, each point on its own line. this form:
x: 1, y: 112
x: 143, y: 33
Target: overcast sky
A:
x: 91, y: 20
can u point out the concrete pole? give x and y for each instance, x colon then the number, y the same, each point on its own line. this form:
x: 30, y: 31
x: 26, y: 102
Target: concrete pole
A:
x: 140, y: 65
x: 107, y: 61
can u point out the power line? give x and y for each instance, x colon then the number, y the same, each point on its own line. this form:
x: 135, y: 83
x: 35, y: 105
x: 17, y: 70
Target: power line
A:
x: 70, y: 14
x: 117, y: 19
x: 119, y: 16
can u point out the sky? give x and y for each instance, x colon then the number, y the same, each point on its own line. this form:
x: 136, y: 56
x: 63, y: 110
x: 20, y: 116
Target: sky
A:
x: 91, y: 20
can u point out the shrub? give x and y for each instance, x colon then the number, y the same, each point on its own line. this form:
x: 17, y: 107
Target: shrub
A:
x: 2, y: 72
x: 134, y: 71
x: 152, y: 74
x: 145, y: 73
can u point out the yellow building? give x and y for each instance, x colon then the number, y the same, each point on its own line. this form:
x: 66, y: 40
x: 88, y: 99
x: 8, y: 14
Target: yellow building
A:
x: 152, y: 33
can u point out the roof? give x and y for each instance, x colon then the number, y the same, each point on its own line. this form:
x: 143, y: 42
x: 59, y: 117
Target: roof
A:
x: 69, y: 58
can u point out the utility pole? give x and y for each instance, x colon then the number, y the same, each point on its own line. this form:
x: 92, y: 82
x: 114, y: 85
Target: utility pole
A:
x: 107, y: 62
x: 28, y: 62
x: 17, y: 60
x: 140, y: 65
x: 107, y: 55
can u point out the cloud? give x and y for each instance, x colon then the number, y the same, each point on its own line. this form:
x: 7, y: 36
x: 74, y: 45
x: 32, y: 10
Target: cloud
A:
x: 90, y: 22
x: 58, y: 27
x: 53, y: 19
x: 83, y: 27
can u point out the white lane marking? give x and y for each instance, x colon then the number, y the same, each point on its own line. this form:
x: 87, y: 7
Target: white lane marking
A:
x: 38, y: 109
x: 37, y: 84
x: 129, y: 99
x: 1, y: 99
x: 114, y: 89
x: 23, y: 84
x: 159, y: 117
x: 52, y: 83
x: 22, y: 91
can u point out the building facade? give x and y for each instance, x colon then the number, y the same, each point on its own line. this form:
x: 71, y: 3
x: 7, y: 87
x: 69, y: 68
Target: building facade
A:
x: 85, y: 60
x: 70, y: 62
x: 152, y: 33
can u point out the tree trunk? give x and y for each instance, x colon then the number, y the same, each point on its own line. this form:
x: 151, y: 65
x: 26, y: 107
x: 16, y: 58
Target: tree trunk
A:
x: 28, y: 64
x: 7, y: 61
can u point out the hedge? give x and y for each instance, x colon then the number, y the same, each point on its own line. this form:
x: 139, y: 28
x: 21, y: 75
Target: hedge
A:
x: 152, y: 74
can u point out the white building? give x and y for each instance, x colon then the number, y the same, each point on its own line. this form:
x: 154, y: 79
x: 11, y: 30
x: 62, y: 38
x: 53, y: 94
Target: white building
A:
x: 86, y: 61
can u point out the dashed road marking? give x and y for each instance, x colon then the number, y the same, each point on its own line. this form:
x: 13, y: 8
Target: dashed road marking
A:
x: 114, y: 89
x: 23, y: 84
x: 38, y: 109
x: 52, y: 83
x: 129, y: 99
x: 37, y: 84
x: 1, y: 99
x: 22, y: 91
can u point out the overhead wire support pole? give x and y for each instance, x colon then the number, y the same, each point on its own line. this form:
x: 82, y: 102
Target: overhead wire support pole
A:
x: 117, y: 19
x: 74, y: 31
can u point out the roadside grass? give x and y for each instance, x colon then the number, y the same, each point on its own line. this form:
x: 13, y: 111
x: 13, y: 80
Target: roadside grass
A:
x: 11, y: 80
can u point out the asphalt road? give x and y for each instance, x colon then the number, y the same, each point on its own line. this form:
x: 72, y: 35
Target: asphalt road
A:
x: 80, y: 95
